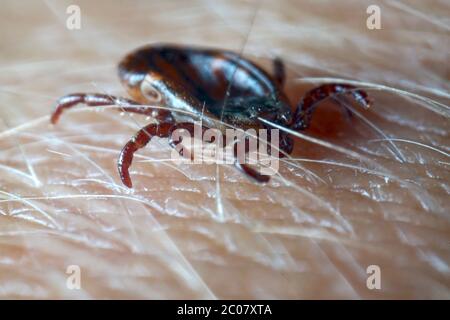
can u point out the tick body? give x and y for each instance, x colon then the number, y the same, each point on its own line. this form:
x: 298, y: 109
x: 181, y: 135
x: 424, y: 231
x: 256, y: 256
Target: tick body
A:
x: 208, y: 85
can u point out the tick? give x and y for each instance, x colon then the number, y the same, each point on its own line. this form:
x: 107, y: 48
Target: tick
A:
x: 208, y: 85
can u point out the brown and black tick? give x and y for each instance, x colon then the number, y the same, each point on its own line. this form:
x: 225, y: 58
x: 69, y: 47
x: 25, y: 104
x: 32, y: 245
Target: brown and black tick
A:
x: 208, y: 85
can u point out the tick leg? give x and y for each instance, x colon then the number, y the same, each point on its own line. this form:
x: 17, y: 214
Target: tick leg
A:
x: 309, y: 102
x: 248, y: 170
x: 252, y: 173
x: 279, y: 71
x: 163, y: 130
x: 140, y: 140
x: 97, y: 99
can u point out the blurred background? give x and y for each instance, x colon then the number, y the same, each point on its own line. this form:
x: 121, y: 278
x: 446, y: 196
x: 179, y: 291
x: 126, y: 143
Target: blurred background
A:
x: 375, y: 192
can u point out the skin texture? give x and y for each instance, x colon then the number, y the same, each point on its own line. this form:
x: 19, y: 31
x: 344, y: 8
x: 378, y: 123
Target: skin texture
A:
x: 344, y: 201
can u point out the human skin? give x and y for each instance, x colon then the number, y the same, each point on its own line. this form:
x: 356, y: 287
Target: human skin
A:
x: 341, y: 203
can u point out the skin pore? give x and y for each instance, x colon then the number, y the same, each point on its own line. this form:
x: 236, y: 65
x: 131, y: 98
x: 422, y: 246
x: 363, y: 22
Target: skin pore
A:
x: 371, y: 189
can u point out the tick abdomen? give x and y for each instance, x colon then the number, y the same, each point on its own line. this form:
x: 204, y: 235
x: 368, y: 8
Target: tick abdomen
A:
x: 205, y: 74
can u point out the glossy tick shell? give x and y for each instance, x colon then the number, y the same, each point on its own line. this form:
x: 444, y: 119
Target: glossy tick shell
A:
x: 198, y: 80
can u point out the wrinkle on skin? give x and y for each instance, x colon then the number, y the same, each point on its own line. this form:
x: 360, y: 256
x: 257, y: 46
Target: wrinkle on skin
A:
x: 368, y: 190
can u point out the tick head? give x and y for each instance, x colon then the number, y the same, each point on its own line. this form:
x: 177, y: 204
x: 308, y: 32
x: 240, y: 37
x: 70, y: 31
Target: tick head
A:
x: 275, y: 111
